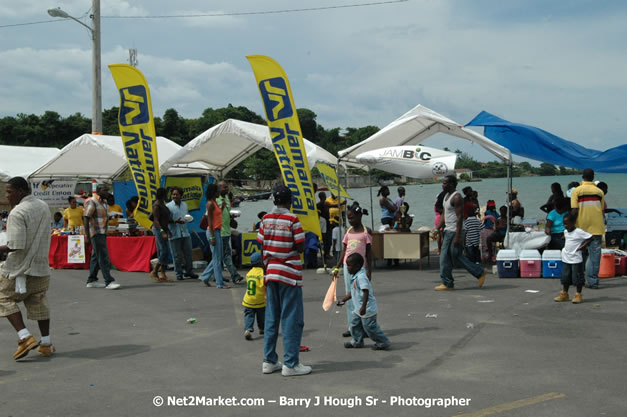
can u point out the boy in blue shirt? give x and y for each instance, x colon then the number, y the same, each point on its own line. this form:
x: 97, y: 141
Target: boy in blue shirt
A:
x: 364, y: 318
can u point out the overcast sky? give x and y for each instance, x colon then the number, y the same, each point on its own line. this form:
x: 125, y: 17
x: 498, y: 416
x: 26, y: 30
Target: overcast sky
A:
x: 558, y: 65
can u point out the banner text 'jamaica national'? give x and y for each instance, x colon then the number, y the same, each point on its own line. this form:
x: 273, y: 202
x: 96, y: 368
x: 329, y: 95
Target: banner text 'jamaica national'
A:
x: 137, y: 129
x: 287, y: 138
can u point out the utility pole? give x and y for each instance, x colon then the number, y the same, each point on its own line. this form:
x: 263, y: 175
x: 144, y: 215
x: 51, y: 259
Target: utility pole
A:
x: 132, y: 57
x: 96, y: 99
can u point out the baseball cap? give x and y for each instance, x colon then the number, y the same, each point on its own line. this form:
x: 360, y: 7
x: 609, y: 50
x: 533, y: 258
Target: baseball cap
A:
x: 281, y: 194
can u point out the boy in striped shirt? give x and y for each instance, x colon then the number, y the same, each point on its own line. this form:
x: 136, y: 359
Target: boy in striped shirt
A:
x: 283, y: 240
x: 472, y: 228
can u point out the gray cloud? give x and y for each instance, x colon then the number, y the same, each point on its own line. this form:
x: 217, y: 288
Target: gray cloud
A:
x: 558, y: 70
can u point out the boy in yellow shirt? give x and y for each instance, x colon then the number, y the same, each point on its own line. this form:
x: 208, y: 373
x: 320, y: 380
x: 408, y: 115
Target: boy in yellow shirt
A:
x: 255, y: 297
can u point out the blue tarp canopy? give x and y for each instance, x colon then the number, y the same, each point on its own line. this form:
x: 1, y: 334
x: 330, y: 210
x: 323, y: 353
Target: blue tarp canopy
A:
x: 534, y: 143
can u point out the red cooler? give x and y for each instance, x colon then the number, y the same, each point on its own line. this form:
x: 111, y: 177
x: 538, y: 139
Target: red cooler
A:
x: 620, y: 263
x: 530, y: 264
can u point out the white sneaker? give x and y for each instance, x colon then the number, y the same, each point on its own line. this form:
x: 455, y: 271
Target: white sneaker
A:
x: 299, y: 369
x: 268, y: 368
x: 112, y: 286
x: 95, y: 284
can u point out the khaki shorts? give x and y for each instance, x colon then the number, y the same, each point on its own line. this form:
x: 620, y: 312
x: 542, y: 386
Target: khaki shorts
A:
x: 34, y: 299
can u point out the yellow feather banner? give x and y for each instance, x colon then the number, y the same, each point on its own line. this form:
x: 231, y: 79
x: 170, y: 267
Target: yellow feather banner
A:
x: 327, y: 172
x: 287, y: 138
x: 137, y: 129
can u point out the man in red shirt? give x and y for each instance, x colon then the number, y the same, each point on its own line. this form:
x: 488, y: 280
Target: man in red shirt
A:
x: 283, y: 240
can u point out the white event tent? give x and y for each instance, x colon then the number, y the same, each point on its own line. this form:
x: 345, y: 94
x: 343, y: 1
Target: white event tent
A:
x: 21, y: 161
x: 417, y: 125
x: 101, y: 157
x: 220, y: 148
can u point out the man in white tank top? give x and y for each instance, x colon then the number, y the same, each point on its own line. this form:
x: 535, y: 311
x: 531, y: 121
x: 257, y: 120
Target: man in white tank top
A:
x: 451, y: 227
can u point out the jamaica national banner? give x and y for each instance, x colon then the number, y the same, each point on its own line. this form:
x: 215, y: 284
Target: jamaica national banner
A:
x: 192, y: 190
x: 327, y: 172
x: 287, y: 138
x: 137, y: 129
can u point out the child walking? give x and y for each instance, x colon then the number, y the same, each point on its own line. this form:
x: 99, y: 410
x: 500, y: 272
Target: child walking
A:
x: 358, y: 239
x: 472, y: 226
x: 572, y: 260
x: 254, y: 301
x: 364, y: 315
x: 336, y: 238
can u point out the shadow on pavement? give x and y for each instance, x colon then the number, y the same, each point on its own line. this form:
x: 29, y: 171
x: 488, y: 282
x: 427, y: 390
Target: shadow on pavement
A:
x: 396, y: 332
x: 106, y: 352
x: 343, y: 366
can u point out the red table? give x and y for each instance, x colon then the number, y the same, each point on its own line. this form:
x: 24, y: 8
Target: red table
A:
x: 132, y: 253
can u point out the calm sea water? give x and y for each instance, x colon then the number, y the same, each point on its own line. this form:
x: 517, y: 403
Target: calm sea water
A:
x: 532, y: 193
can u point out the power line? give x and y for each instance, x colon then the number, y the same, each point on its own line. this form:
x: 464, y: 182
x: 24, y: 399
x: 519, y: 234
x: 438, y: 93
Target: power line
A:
x: 308, y: 9
x: 31, y: 23
x: 183, y: 16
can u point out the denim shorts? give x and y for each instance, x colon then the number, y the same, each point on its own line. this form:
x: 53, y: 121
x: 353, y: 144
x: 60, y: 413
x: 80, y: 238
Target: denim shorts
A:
x: 572, y: 274
x: 162, y: 247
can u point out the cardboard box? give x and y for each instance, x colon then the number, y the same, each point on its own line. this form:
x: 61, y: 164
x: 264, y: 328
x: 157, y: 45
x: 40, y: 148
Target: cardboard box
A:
x: 197, y: 255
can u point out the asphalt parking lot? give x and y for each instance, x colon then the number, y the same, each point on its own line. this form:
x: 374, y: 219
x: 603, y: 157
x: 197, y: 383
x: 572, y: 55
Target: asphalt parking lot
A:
x: 500, y: 350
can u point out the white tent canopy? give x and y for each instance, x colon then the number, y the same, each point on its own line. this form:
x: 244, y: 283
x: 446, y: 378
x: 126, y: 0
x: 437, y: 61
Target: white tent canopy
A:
x: 414, y: 127
x: 225, y: 145
x: 21, y: 161
x: 99, y: 157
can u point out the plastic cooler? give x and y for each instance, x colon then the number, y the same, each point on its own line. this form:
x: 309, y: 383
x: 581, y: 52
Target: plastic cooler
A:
x: 552, y: 264
x: 620, y: 265
x: 507, y: 263
x: 608, y: 267
x: 530, y: 264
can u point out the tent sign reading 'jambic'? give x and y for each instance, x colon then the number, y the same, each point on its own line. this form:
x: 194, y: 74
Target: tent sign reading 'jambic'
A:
x: 411, y: 161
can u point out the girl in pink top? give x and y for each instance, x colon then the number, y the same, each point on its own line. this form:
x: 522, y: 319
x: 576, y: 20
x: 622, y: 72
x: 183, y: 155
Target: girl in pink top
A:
x: 358, y: 239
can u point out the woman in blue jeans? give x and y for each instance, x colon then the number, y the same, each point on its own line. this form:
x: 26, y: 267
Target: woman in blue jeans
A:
x: 214, y: 217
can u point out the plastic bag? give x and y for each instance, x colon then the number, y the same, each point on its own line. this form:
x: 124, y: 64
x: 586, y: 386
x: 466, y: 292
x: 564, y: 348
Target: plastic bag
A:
x: 331, y: 296
x: 20, y: 285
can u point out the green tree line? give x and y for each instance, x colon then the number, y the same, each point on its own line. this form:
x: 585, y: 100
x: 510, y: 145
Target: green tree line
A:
x: 496, y: 169
x: 53, y: 130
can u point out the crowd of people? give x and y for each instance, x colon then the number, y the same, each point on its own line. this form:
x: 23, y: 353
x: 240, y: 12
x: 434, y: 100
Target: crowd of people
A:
x: 575, y: 223
x: 274, y: 283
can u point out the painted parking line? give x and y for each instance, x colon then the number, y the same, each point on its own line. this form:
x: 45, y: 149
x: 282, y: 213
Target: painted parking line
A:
x: 237, y: 306
x: 514, y: 405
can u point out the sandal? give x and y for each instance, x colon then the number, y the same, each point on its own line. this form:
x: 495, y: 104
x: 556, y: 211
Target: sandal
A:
x: 164, y: 278
x: 154, y: 277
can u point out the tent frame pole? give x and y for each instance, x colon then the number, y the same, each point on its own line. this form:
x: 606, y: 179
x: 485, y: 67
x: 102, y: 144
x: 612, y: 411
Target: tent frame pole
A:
x: 509, y: 201
x: 339, y: 202
x: 371, y: 204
